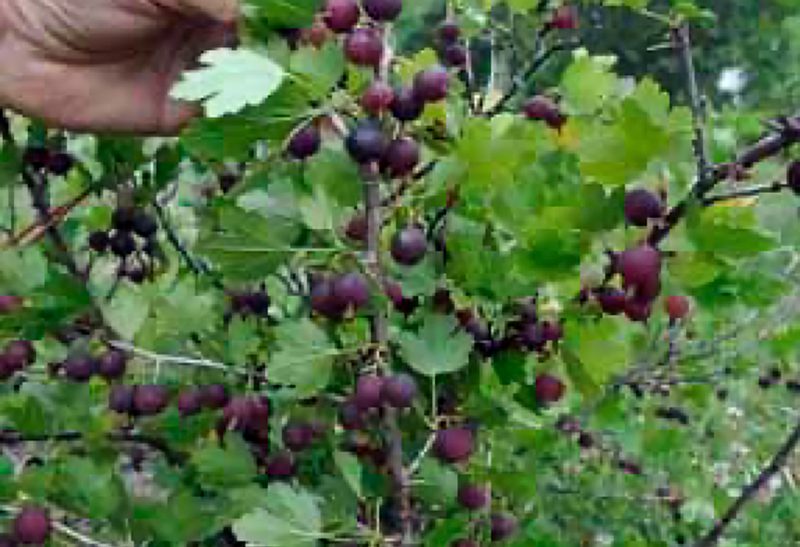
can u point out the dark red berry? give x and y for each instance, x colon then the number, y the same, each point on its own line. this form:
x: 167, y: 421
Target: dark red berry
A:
x: 80, y: 368
x: 98, y: 241
x: 215, y: 396
x: 565, y: 18
x: 612, y: 301
x: 324, y: 301
x: 364, y: 47
x: 150, y: 400
x: 281, y: 466
x: 297, y: 436
x: 641, y: 206
x: 144, y: 225
x: 122, y: 218
x: 341, y: 15
x: 401, y: 157
x: 552, y: 331
x: 406, y: 106
x: 399, y: 390
x: 377, y: 98
x: 473, y: 497
x: 638, y: 310
x: 677, y: 307
x: 305, y: 142
x: 409, y: 246
x: 454, y: 55
x: 394, y: 291
x: 549, y: 389
x: 356, y: 228
x: 60, y: 163
x: 369, y: 392
x: 383, y: 10
x: 454, y: 445
x: 503, y: 526
x: 351, y: 289
x: 32, y: 526
x: 190, y: 402
x: 639, y: 266
x: 793, y: 176
x: 122, y: 244
x: 317, y: 34
x: 532, y: 337
x: 449, y: 32
x: 350, y: 416
x: 36, y: 157
x: 21, y: 352
x: 431, y: 85
x: 367, y: 142
x: 112, y: 364
x: 120, y: 399
x: 542, y: 108
x: 10, y: 304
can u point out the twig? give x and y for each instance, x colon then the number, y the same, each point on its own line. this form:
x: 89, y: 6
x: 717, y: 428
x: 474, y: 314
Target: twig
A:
x: 176, y: 359
x: 774, y: 187
x: 74, y: 534
x: 778, y: 462
x: 197, y: 266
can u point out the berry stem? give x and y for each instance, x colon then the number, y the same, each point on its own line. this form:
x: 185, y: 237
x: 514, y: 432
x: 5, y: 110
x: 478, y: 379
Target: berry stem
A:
x: 773, y: 187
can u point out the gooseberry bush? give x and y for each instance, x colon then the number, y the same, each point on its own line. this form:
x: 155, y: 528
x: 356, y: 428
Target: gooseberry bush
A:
x: 426, y: 273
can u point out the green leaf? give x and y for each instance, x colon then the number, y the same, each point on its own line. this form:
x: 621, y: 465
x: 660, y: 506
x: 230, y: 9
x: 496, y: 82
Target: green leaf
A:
x: 601, y: 346
x: 225, y: 466
x: 320, y: 69
x: 256, y: 76
x: 439, y: 347
x: 303, y: 358
x: 587, y: 83
x: 351, y: 470
x: 126, y: 312
x: 291, y: 518
x: 281, y: 14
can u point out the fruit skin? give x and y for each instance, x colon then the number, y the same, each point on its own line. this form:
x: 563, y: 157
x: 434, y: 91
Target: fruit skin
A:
x: 350, y: 416
x: 364, y: 47
x: 32, y: 526
x: 150, y: 400
x: 454, y: 445
x: 21, y: 353
x: 122, y: 218
x: 542, y: 108
x: 122, y: 244
x: 98, y: 241
x: 60, y: 163
x: 638, y: 310
x: 352, y: 290
x: 565, y: 18
x: 431, y: 85
x: 80, y: 368
x: 281, y: 466
x: 641, y: 206
x: 324, y: 302
x: 305, y: 142
x: 612, y: 301
x: 120, y: 399
x: 215, y: 396
x: 449, y: 32
x: 10, y: 304
x: 406, y: 106
x: 473, y: 497
x: 369, y: 392
x: 377, y: 98
x: 356, y: 228
x: 367, y: 142
x: 454, y: 55
x: 503, y: 526
x: 639, y: 266
x: 401, y: 304
x: 401, y: 157
x: 532, y: 337
x: 383, y: 10
x: 143, y: 224
x: 297, y: 436
x: 36, y: 157
x: 341, y: 15
x: 793, y: 177
x: 409, y: 246
x: 112, y: 364
x: 549, y: 389
x: 400, y: 391
x: 190, y: 402
x: 677, y: 307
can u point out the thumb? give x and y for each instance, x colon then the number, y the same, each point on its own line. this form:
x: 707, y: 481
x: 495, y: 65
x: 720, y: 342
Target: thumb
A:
x: 224, y: 11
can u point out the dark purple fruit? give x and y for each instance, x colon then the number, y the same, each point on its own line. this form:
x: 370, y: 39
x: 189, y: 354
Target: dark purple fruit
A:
x: 122, y: 244
x: 98, y: 241
x: 21, y: 352
x: 281, y: 466
x: 542, y: 108
x: 503, y: 526
x: 10, y: 304
x: 549, y: 389
x: 112, y: 364
x: 399, y: 391
x: 305, y: 142
x: 297, y: 436
x: 364, y: 47
x: 144, y: 225
x: 351, y: 289
x: 638, y: 310
x: 532, y: 337
x: 406, y: 107
x: 215, y: 396
x: 641, y: 206
x: 565, y: 18
x: 793, y: 177
x: 190, y: 402
x: 377, y: 98
x: 409, y: 246
x: 431, y: 85
x: 383, y: 10
x: 36, y: 157
x: 350, y: 416
x: 677, y: 307
x: 639, y: 266
x: 401, y: 157
x: 120, y: 399
x: 122, y: 218
x: 552, y: 331
x: 80, y: 368
x: 367, y: 142
x: 341, y: 15
x: 612, y: 301
x: 356, y: 228
x: 324, y: 302
x: 454, y: 445
x: 402, y: 304
x: 150, y: 400
x: 473, y: 497
x: 60, y: 163
x: 369, y: 392
x: 454, y: 55
x: 32, y: 526
x: 449, y: 32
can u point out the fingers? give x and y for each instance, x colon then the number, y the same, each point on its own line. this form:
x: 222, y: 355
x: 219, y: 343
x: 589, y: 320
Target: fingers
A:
x: 224, y: 11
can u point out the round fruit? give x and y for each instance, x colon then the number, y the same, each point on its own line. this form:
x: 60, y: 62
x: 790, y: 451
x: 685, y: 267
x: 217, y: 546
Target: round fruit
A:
x: 190, y: 402
x: 542, y: 108
x: 32, y: 526
x: 10, y: 304
x: 552, y: 331
x: 341, y: 15
x: 80, y: 368
x: 532, y: 336
x: 281, y: 466
x: 399, y: 390
x: 640, y: 265
x: 60, y: 163
x: 120, y: 399
x: 454, y: 445
x: 350, y: 416
x: 377, y: 98
x: 98, y: 241
x: 364, y: 47
x: 549, y: 389
x: 677, y: 307
x: 122, y: 244
x: 36, y: 157
x: 369, y: 392
x: 431, y: 85
x: 305, y: 142
x: 297, y: 436
x: 324, y: 301
x: 215, y: 396
x: 455, y: 55
x: 401, y: 157
x: 150, y: 400
x: 112, y: 364
x: 473, y: 497
x: 409, y: 246
x: 367, y: 142
x: 641, y: 206
x: 406, y: 107
x: 122, y: 218
x: 503, y: 526
x: 612, y: 301
x: 21, y: 352
x: 351, y: 289
x: 383, y: 10
x: 394, y: 291
x: 356, y: 228
x: 793, y: 177
x: 144, y: 225
x: 317, y: 34
x: 565, y: 18
x: 638, y: 310
x: 449, y: 32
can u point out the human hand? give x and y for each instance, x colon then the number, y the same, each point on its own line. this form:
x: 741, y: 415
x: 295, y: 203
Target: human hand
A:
x: 106, y: 65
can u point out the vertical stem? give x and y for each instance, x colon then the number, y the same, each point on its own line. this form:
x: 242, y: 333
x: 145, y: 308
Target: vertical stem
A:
x: 380, y: 337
